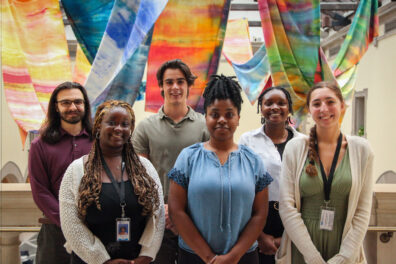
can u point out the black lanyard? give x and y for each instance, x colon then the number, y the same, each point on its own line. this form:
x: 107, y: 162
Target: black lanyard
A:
x: 119, y: 189
x: 328, y: 180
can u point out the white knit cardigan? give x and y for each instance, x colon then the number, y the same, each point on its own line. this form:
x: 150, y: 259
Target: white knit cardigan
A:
x: 81, y: 240
x: 359, y: 204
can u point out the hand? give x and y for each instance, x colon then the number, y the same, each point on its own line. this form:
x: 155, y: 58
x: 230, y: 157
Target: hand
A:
x: 142, y: 260
x: 168, y: 222
x: 118, y: 261
x: 226, y: 259
x: 278, y: 241
x: 267, y: 244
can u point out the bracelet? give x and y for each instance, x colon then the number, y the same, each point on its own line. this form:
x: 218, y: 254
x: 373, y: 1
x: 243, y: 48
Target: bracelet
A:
x: 212, y: 260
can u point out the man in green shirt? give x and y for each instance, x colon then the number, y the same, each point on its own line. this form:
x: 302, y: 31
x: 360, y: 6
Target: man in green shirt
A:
x: 162, y: 136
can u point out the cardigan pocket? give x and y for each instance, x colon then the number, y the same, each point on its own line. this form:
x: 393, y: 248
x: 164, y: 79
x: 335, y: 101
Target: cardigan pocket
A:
x: 282, y: 256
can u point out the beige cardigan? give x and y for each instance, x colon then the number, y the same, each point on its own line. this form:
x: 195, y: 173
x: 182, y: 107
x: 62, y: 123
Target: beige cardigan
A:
x: 359, y: 204
x: 81, y: 240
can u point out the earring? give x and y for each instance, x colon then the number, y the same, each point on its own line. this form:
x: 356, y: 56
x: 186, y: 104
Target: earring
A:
x: 97, y: 135
x: 262, y: 120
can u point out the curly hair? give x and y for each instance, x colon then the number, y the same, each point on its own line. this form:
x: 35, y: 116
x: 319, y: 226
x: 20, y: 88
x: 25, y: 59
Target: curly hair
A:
x: 312, y: 141
x: 223, y: 87
x: 91, y: 185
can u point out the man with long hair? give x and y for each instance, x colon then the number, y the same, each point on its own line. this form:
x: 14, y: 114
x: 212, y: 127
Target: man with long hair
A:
x: 161, y: 137
x: 65, y: 135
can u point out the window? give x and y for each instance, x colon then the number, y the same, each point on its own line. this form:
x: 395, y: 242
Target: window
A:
x: 359, y: 113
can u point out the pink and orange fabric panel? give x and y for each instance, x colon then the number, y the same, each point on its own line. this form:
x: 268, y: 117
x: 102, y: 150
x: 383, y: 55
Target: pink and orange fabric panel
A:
x: 192, y: 31
x: 35, y: 57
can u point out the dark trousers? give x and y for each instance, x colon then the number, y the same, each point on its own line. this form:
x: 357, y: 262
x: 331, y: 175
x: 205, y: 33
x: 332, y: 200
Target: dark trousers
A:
x: 50, y: 246
x: 273, y: 227
x: 186, y: 257
x: 169, y: 249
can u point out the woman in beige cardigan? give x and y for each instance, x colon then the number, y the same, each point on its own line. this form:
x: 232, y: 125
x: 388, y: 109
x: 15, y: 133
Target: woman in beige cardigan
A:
x: 326, y: 188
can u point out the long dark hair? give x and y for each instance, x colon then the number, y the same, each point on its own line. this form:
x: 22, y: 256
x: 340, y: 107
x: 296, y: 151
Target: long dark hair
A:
x: 91, y: 184
x: 50, y: 130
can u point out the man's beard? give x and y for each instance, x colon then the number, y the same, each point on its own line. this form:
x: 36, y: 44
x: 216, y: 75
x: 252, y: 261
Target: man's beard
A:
x: 72, y: 119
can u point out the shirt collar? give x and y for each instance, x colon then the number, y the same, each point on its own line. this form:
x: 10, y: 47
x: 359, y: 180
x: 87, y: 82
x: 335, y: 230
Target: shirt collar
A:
x: 190, y: 114
x: 82, y: 132
x: 260, y: 131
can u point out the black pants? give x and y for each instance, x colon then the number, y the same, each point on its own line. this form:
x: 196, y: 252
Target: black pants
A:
x: 168, y: 252
x: 50, y: 246
x: 273, y: 227
x: 186, y: 257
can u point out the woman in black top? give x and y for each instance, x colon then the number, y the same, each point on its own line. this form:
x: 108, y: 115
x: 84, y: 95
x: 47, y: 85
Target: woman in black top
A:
x: 119, y: 196
x: 269, y: 141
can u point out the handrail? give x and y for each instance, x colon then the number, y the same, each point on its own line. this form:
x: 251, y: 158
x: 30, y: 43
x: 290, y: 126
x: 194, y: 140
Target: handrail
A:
x: 382, y: 228
x: 20, y: 228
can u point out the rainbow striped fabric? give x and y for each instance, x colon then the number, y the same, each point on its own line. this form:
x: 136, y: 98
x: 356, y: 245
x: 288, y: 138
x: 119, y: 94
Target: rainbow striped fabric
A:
x: 194, y: 32
x: 34, y: 61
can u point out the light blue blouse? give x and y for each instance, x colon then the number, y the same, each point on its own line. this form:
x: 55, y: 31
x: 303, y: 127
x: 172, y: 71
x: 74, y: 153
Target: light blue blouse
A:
x: 220, y: 197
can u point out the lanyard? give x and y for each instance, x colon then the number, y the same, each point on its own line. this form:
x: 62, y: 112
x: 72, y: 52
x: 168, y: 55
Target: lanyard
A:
x: 328, y: 180
x: 119, y: 189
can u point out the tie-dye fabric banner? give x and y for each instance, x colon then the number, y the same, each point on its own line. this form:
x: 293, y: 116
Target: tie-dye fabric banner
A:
x: 88, y: 19
x: 253, y: 72
x: 291, y: 34
x: 192, y: 31
x: 129, y: 24
x: 237, y: 47
x: 82, y: 67
x: 363, y: 30
x: 34, y: 61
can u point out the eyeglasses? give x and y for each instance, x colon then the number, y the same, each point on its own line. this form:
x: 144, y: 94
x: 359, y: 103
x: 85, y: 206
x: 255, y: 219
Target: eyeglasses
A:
x: 68, y: 103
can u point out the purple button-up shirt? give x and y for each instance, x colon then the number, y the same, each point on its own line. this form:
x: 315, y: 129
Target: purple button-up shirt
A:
x: 48, y: 163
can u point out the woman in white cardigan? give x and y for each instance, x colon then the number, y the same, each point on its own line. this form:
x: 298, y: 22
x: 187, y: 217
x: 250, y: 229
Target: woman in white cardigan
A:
x: 111, y: 202
x: 326, y: 188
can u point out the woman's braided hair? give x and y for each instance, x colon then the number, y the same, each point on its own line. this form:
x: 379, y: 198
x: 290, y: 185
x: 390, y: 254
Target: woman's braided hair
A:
x: 222, y: 88
x: 313, y: 155
x: 91, y: 184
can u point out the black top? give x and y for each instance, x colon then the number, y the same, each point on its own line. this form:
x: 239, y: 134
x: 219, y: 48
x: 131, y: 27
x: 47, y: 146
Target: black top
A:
x: 103, y: 223
x: 281, y: 146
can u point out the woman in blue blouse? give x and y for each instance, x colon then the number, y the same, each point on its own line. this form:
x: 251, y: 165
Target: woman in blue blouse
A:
x: 218, y: 198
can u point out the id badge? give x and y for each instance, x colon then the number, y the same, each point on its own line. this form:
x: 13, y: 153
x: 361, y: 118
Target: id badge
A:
x: 327, y: 218
x: 123, y: 229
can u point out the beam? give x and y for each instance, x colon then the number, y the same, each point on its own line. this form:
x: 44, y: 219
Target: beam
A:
x: 329, y: 6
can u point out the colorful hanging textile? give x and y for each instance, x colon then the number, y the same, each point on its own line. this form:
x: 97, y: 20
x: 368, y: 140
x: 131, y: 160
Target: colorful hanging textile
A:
x: 82, y: 67
x: 292, y: 40
x: 127, y: 85
x: 34, y: 61
x: 253, y: 72
x: 361, y: 33
x: 236, y: 47
x: 128, y: 26
x: 88, y: 19
x: 192, y: 31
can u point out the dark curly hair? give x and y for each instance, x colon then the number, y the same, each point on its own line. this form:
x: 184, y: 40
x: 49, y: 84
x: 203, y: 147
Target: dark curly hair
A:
x: 222, y: 87
x: 91, y: 184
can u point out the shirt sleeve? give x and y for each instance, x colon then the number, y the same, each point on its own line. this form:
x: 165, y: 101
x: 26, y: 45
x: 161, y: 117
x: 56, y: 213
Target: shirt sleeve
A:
x: 179, y: 173
x: 41, y: 184
x: 355, y: 236
x: 78, y: 237
x: 291, y: 217
x: 263, y: 178
x: 153, y: 232
x: 140, y: 140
